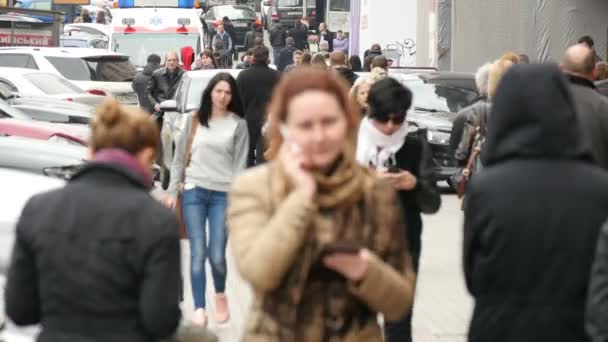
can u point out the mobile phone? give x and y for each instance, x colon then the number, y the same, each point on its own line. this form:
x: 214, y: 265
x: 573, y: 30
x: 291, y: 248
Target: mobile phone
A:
x: 343, y: 247
x: 393, y: 169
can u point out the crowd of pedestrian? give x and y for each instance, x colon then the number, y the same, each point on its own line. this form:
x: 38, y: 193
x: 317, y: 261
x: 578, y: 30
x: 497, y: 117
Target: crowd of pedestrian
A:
x: 315, y: 175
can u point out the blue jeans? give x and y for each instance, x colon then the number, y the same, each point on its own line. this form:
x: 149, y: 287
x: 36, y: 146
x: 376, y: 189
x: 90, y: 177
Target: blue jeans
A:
x: 200, y: 205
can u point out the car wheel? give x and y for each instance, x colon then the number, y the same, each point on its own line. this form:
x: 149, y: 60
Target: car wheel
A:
x: 165, y: 177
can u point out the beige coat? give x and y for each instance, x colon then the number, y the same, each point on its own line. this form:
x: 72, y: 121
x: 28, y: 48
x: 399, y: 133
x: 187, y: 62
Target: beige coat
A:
x: 267, y: 242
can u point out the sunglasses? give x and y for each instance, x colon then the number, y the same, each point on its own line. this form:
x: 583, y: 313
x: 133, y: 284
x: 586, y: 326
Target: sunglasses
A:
x: 395, y: 119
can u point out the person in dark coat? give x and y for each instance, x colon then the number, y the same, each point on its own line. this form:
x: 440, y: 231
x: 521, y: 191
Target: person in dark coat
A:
x: 285, y: 56
x: 278, y: 36
x: 141, y: 80
x: 99, y: 259
x: 591, y: 106
x: 300, y: 35
x: 337, y: 61
x: 327, y: 35
x: 164, y: 81
x: 255, y: 85
x: 533, y: 215
x: 250, y: 37
x: 597, y: 303
x: 405, y: 161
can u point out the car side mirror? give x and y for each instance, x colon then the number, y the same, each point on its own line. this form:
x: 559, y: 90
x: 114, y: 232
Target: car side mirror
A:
x: 168, y: 106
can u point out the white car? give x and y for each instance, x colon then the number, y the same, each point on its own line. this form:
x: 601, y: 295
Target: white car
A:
x: 39, y: 84
x: 17, y: 187
x: 93, y: 70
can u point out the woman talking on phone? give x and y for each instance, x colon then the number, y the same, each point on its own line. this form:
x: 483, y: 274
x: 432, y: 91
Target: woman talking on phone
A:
x: 209, y: 153
x: 316, y: 235
x: 406, y: 162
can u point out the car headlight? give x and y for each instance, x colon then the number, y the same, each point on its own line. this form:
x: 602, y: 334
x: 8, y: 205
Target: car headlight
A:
x: 437, y: 137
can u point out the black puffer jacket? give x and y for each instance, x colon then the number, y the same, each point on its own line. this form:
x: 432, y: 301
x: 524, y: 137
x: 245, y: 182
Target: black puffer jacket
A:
x: 140, y: 83
x: 163, y: 85
x: 597, y: 305
x: 532, y: 215
x: 348, y: 74
x: 98, y: 260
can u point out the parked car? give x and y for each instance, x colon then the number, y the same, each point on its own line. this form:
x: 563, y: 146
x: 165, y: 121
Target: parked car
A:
x: 84, y: 41
x: 287, y: 12
x: 43, y: 109
x: 39, y: 84
x: 17, y: 188
x: 240, y: 16
x: 187, y: 99
x: 94, y: 70
x: 70, y: 134
x: 602, y: 87
x: 41, y: 157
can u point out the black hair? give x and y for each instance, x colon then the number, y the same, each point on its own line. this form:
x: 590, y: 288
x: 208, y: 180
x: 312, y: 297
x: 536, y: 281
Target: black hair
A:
x: 587, y: 40
x: 355, y: 63
x: 205, y: 108
x: 154, y: 59
x: 388, y: 97
x: 261, y: 54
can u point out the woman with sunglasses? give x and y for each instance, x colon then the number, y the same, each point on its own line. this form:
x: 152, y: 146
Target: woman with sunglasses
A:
x: 406, y: 161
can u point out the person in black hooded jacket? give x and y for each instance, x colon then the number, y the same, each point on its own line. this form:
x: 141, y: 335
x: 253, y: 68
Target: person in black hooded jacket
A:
x: 404, y: 160
x: 141, y: 80
x: 532, y: 215
x: 99, y: 259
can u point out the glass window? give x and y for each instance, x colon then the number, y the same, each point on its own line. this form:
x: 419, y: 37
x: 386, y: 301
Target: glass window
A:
x: 6, y: 88
x: 290, y: 3
x: 52, y: 84
x: 140, y: 46
x: 79, y: 43
x: 238, y: 12
x: 195, y: 91
x: 339, y: 5
x: 104, y: 69
x: 17, y: 61
x: 441, y: 98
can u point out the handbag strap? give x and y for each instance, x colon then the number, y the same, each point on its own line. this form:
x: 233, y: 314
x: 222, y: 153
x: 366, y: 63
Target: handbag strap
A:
x: 191, y: 135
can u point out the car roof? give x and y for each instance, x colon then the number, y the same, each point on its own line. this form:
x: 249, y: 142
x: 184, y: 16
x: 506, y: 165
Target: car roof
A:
x: 62, y: 51
x: 22, y: 71
x: 195, y: 74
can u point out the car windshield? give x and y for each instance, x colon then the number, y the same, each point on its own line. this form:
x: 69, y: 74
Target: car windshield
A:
x: 52, y: 84
x: 437, y: 97
x: 195, y: 91
x: 290, y: 3
x: 79, y: 43
x: 140, y: 46
x: 237, y: 12
x: 102, y: 69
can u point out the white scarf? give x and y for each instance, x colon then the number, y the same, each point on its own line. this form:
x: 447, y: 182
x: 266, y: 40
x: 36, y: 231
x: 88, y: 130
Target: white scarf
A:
x: 375, y: 148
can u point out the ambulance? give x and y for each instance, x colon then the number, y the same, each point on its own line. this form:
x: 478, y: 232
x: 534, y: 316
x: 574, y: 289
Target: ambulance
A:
x: 143, y: 27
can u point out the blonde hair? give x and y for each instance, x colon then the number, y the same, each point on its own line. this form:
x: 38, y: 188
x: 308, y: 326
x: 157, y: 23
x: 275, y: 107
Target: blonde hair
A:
x: 497, y: 70
x: 510, y: 56
x: 129, y: 129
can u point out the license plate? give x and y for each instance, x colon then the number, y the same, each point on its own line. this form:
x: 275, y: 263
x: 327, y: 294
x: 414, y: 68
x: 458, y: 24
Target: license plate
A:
x: 294, y: 13
x: 127, y: 98
x: 240, y: 24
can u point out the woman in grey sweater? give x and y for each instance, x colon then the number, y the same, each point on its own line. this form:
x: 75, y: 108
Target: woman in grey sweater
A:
x: 218, y: 152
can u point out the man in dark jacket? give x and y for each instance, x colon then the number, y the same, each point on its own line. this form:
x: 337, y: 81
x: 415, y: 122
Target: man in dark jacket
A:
x: 337, y: 61
x: 278, y: 35
x: 106, y: 269
x: 405, y: 161
x: 300, y: 35
x: 285, y: 56
x: 532, y: 217
x: 326, y: 35
x: 250, y: 37
x: 163, y: 83
x: 141, y: 80
x: 591, y: 106
x: 255, y: 85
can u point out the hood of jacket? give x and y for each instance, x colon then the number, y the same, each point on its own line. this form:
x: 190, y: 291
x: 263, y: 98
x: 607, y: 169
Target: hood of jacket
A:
x: 150, y: 68
x: 533, y: 117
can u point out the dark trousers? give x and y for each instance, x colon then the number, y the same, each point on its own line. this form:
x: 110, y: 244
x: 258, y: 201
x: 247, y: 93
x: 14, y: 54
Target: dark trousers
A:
x: 401, y: 331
